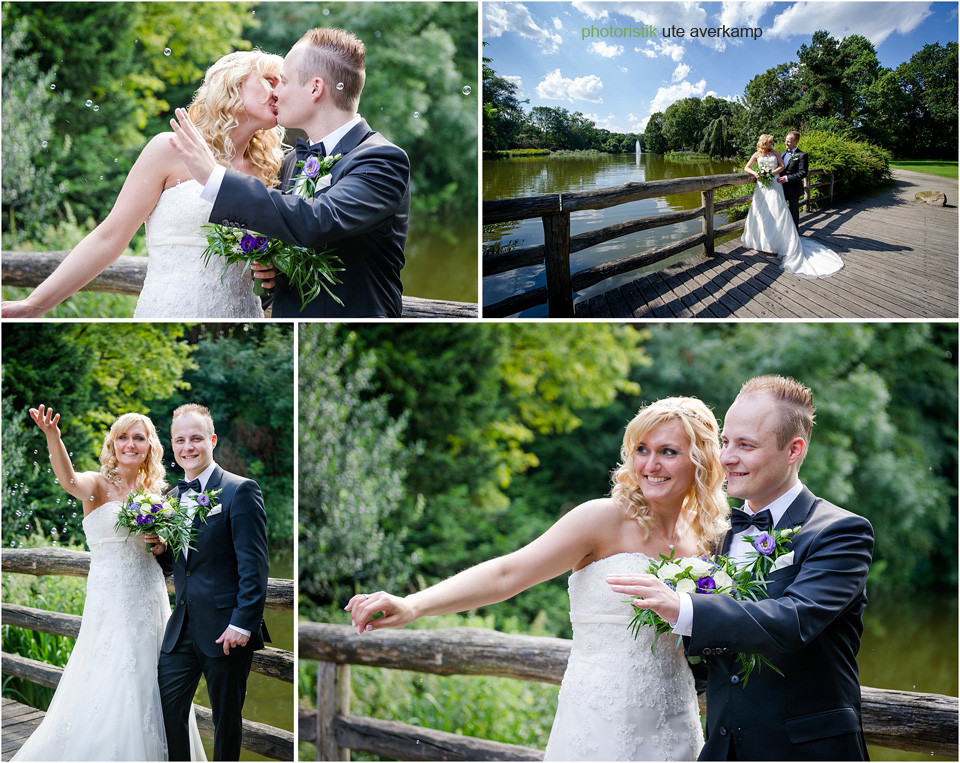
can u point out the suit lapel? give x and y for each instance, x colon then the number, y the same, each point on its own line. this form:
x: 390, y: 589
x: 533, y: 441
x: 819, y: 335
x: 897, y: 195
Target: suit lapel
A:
x: 352, y: 139
x: 799, y: 511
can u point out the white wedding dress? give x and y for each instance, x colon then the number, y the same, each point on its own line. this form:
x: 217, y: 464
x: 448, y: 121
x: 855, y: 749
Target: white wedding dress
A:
x: 178, y: 286
x: 107, y: 704
x: 769, y: 228
x: 619, y: 700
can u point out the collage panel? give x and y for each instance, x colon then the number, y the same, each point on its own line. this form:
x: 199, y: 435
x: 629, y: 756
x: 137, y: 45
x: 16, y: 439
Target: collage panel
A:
x: 780, y: 160
x: 482, y: 508
x: 148, y: 545
x: 289, y: 160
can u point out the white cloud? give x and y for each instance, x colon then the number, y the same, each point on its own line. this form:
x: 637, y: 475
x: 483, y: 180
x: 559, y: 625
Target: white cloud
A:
x: 517, y: 80
x: 514, y: 17
x: 681, y: 72
x: 603, y: 49
x: 557, y: 24
x: 609, y: 122
x: 671, y: 50
x: 667, y: 95
x: 623, y: 69
x: 875, y: 21
x: 559, y: 88
x: 657, y: 14
x: 744, y: 14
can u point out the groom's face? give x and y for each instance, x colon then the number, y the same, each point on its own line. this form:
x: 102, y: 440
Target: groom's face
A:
x: 193, y: 443
x: 295, y: 102
x: 790, y: 142
x: 758, y: 469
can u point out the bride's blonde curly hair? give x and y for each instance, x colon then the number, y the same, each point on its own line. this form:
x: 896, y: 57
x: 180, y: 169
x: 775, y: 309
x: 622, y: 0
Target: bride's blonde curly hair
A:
x: 762, y: 142
x: 217, y: 102
x: 705, y: 504
x: 152, y: 472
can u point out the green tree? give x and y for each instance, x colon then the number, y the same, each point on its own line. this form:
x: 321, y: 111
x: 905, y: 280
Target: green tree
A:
x: 502, y: 111
x: 683, y: 124
x: 654, y: 141
x: 929, y: 84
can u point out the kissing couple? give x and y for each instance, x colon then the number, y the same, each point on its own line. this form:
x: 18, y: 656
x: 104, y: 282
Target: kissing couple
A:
x: 127, y: 690
x: 621, y: 698
x: 224, y: 163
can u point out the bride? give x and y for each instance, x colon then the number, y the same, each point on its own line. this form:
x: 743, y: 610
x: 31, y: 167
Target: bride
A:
x: 770, y: 226
x: 232, y: 109
x: 618, y: 700
x: 107, y: 704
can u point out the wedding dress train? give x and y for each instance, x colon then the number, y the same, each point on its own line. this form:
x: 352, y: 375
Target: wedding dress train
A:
x: 178, y: 285
x: 769, y: 228
x: 107, y: 704
x: 619, y: 700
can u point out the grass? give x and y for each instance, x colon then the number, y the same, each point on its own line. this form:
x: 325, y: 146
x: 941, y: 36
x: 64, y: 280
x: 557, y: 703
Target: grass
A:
x: 937, y: 167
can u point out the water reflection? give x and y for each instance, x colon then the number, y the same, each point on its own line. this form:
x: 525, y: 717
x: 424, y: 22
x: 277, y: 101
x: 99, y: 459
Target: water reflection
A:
x: 531, y: 176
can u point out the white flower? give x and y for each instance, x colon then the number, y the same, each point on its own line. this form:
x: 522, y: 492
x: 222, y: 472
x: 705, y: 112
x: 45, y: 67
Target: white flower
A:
x: 724, y: 582
x: 698, y: 567
x: 145, y: 507
x: 686, y: 586
x: 782, y: 561
x: 669, y: 571
x: 154, y: 498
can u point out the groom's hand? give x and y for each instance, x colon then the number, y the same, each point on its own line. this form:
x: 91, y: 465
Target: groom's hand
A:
x: 194, y: 151
x: 231, y: 639
x: 650, y: 593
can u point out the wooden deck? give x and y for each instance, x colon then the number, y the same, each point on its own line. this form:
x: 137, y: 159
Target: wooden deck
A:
x: 19, y: 722
x: 900, y: 261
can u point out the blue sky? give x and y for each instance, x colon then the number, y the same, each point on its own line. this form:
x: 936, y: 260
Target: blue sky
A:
x: 618, y: 82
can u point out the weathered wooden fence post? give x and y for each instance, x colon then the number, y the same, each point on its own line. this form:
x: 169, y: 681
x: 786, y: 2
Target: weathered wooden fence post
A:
x: 556, y: 248
x: 706, y: 198
x: 333, y: 700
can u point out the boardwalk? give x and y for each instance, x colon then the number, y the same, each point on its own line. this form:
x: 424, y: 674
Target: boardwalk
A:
x: 900, y: 261
x: 19, y: 722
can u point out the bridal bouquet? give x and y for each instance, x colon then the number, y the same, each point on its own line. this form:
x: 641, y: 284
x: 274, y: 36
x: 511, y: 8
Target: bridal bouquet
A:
x: 720, y: 576
x: 764, y: 176
x: 307, y: 270
x: 144, y: 512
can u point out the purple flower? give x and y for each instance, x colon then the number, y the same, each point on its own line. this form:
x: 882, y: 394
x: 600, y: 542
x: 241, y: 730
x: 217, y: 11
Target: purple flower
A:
x: 311, y: 167
x: 144, y: 519
x: 202, y: 500
x: 765, y: 544
x: 156, y: 507
x: 706, y: 584
x: 250, y: 243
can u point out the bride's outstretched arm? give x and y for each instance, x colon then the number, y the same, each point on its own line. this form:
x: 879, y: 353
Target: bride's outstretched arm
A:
x: 82, y: 485
x: 572, y: 538
x: 106, y: 242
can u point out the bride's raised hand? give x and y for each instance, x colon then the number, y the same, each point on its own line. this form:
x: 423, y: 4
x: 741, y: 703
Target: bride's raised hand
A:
x: 47, y: 420
x: 364, y: 607
x: 20, y: 308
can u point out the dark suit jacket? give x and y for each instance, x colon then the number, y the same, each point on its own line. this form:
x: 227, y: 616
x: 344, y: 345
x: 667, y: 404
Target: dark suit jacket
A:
x: 223, y: 580
x: 363, y: 213
x: 809, y: 627
x: 794, y: 171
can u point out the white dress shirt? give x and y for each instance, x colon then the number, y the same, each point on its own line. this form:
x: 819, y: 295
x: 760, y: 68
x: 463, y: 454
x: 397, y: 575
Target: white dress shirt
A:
x: 329, y: 142
x: 188, y: 496
x: 738, y: 550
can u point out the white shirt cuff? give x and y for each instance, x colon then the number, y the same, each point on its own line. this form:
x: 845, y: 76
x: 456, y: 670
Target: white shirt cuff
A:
x: 212, y: 188
x: 244, y: 631
x: 684, y: 624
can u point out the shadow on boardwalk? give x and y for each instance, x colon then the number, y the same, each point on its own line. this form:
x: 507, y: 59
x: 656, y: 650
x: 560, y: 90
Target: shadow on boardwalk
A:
x: 900, y: 261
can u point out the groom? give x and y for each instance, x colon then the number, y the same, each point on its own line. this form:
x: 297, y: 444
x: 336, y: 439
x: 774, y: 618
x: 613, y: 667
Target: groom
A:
x: 795, y: 169
x: 221, y: 587
x: 362, y: 214
x: 809, y: 625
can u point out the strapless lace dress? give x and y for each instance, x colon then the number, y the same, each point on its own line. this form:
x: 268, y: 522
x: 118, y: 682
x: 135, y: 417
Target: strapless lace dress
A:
x: 107, y: 704
x: 178, y: 286
x: 618, y: 699
x: 769, y: 228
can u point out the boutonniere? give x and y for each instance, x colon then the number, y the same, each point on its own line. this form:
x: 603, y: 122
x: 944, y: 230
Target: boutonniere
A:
x: 314, y: 174
x: 207, y: 503
x: 769, y: 549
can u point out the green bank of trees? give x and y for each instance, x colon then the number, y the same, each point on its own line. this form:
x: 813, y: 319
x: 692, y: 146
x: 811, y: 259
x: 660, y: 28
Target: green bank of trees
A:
x: 91, y: 373
x: 490, y: 432
x: 87, y: 84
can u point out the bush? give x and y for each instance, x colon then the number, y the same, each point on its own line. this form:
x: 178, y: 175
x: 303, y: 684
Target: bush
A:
x: 858, y: 166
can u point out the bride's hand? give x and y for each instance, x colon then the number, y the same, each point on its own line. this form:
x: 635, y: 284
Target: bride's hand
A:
x: 157, y: 544
x: 47, y: 420
x: 265, y: 274
x: 397, y: 612
x: 650, y: 593
x: 21, y: 308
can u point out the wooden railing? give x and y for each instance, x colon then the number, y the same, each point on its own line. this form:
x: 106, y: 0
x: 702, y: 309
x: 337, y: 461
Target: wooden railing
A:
x: 260, y: 738
x: 125, y: 276
x: 901, y: 720
x: 555, y: 209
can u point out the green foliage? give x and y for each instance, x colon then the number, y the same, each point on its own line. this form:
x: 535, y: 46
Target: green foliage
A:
x: 858, y: 166
x: 654, y: 140
x: 929, y: 83
x: 942, y: 169
x: 502, y: 111
x: 352, y: 468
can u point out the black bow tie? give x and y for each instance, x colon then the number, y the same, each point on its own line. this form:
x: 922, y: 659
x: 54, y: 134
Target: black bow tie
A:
x: 741, y: 520
x: 183, y: 486
x: 304, y: 150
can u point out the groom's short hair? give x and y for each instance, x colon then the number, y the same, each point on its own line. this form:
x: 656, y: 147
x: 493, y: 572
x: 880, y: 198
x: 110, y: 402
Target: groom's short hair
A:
x: 795, y: 402
x: 337, y: 57
x: 794, y: 133
x: 198, y: 410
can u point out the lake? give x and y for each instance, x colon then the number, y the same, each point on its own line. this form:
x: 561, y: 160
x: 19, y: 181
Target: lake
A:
x: 441, y: 258
x: 531, y: 176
